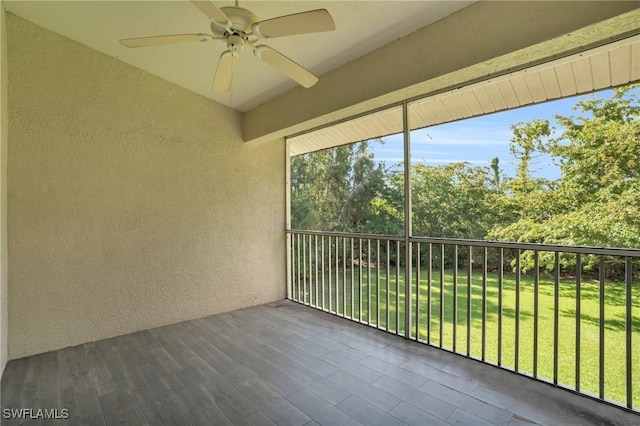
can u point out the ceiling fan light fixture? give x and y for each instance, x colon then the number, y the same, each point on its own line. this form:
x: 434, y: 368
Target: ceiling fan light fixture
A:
x: 235, y: 43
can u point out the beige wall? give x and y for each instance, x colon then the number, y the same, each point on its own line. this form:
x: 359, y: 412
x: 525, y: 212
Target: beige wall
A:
x: 4, y: 319
x: 133, y: 203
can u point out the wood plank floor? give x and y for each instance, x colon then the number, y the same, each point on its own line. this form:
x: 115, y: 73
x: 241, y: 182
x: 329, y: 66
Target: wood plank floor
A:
x: 284, y: 364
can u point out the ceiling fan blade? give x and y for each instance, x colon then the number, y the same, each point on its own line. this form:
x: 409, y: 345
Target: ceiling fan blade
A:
x: 313, y: 21
x: 212, y: 11
x: 285, y: 65
x: 163, y: 39
x: 224, y: 71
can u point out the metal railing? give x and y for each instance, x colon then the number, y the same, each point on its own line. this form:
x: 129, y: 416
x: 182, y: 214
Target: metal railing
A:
x: 566, y: 315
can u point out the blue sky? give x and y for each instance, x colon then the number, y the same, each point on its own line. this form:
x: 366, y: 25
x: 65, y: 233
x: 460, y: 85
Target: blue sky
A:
x: 478, y: 140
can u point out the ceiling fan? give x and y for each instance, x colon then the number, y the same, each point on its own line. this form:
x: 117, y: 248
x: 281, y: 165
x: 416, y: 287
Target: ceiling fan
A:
x: 238, y: 27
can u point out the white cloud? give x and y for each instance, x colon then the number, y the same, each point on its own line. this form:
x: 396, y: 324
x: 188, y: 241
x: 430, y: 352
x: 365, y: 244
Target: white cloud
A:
x: 448, y: 161
x: 414, y: 160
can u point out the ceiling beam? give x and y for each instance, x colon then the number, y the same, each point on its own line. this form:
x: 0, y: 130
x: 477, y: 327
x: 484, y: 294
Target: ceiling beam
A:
x: 483, y: 40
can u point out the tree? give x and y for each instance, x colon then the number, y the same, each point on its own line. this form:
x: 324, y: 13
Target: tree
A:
x: 332, y: 189
x: 451, y: 200
x: 596, y: 202
x: 366, y: 184
x: 317, y: 184
x: 387, y: 208
x: 496, y: 175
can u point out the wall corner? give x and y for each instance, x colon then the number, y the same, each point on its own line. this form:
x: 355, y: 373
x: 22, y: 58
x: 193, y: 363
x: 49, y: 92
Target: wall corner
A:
x: 4, y: 316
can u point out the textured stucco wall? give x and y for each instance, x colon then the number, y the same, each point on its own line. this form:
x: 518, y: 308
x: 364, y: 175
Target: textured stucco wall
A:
x: 133, y: 203
x: 4, y: 320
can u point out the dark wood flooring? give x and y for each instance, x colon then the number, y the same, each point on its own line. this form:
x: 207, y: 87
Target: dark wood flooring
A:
x: 284, y: 364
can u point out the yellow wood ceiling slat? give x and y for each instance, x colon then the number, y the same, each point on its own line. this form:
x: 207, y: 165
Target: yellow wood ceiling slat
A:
x: 600, y: 70
x: 550, y: 83
x: 472, y: 102
x: 635, y: 62
x: 521, y: 90
x: 582, y: 74
x: 566, y: 79
x: 508, y: 94
x: 620, y: 65
x: 496, y: 97
x: 485, y: 100
x: 536, y: 88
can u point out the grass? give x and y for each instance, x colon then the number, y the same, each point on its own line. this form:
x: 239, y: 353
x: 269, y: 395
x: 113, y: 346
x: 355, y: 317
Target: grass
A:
x: 442, y: 332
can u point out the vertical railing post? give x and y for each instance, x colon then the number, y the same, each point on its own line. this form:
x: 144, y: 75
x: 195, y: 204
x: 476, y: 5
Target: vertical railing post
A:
x: 388, y: 275
x: 359, y: 279
x: 311, y: 277
x: 322, y: 272
x: 628, y: 266
x: 442, y: 313
x: 353, y: 277
x: 429, y: 267
x: 397, y: 281
x: 289, y: 243
x: 536, y: 308
x: 455, y: 298
x: 485, y: 255
x: 556, y: 314
x: 417, y: 313
x: 378, y: 266
x: 407, y: 221
x: 500, y: 288
x: 304, y: 269
x: 368, y: 281
x: 469, y: 306
x: 337, y: 271
x: 287, y: 210
x: 329, y: 271
x: 315, y: 264
x: 298, y: 267
x: 578, y: 317
x: 601, y: 369
x: 344, y: 276
x: 516, y: 352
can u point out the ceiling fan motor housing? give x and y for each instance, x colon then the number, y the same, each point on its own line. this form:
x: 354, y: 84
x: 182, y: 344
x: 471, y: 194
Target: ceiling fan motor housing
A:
x: 235, y: 43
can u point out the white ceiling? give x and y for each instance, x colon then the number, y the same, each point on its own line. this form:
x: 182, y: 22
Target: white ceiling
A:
x: 361, y: 27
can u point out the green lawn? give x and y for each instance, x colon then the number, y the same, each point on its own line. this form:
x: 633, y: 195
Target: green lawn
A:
x: 615, y: 335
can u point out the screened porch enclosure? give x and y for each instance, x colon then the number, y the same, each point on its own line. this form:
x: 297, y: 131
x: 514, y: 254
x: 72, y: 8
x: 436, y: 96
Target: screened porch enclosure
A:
x: 560, y: 313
